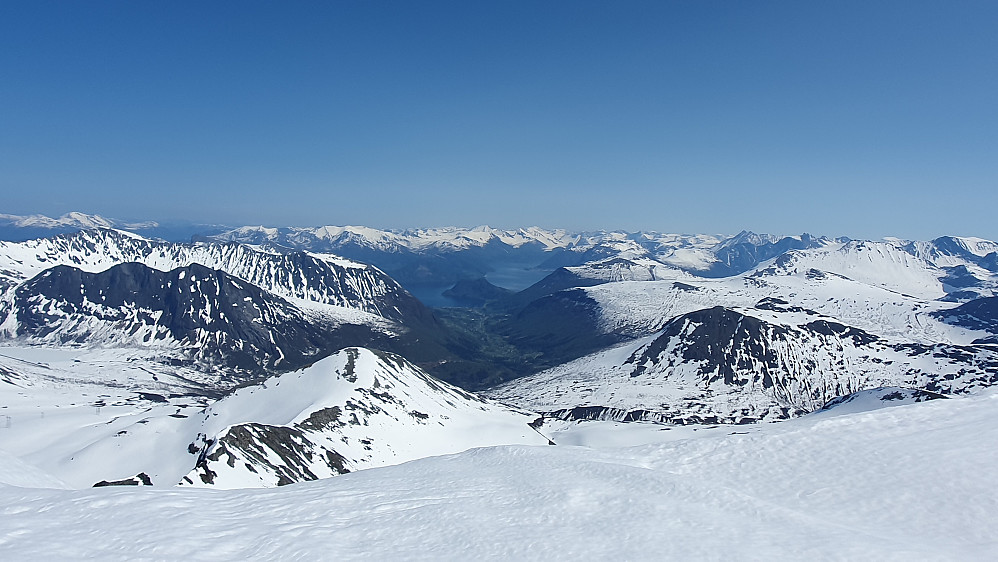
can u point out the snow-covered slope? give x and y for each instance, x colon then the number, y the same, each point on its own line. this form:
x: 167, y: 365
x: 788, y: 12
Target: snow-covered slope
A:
x: 627, y: 268
x: 876, y: 398
x: 636, y: 309
x: 953, y: 250
x: 903, y: 483
x: 355, y: 409
x: 881, y: 264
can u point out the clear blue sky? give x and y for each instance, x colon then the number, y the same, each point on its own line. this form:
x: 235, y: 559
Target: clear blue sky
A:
x: 860, y: 118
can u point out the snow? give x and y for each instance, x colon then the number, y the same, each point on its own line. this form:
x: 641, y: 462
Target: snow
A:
x: 628, y: 266
x: 55, y: 422
x: 638, y: 308
x: 16, y: 472
x: 881, y: 264
x: 906, y: 483
x: 398, y: 414
x: 697, y: 259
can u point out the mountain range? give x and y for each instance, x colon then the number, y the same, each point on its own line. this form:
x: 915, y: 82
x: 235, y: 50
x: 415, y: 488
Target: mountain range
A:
x: 266, y: 356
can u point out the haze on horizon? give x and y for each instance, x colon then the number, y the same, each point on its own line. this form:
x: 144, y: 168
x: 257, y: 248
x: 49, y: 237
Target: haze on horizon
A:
x: 859, y: 119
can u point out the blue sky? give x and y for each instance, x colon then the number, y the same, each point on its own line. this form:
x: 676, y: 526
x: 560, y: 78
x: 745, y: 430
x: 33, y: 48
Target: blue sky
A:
x: 864, y: 118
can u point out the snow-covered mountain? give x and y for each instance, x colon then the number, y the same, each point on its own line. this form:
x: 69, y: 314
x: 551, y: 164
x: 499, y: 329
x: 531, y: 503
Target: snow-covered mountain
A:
x: 319, y: 278
x: 18, y: 228
x: 354, y: 409
x: 923, y: 269
x: 434, y: 255
x: 723, y: 365
x: 204, y: 314
x: 774, y: 342
x: 875, y: 285
x: 428, y: 256
x: 225, y: 307
x: 439, y: 239
x: 68, y: 222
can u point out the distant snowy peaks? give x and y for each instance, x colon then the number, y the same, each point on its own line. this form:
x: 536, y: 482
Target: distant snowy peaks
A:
x: 447, y: 238
x: 753, y: 239
x: 74, y: 219
x: 70, y: 220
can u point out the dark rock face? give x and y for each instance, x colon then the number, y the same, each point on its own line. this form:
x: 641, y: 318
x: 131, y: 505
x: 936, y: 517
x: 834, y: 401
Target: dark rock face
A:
x: 828, y: 328
x: 257, y: 444
x: 741, y: 253
x: 221, y: 319
x: 960, y: 277
x: 732, y: 347
x: 978, y: 314
x: 140, y: 479
x: 560, y: 327
x: 603, y: 413
x: 800, y: 367
x: 560, y: 279
x: 476, y: 292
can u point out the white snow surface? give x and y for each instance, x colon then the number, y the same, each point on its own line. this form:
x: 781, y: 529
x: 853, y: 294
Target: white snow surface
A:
x: 882, y: 264
x: 639, y: 308
x: 906, y: 483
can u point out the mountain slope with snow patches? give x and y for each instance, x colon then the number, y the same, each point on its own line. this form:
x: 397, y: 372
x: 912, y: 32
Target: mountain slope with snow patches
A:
x: 723, y: 365
x: 354, y: 409
x: 220, y: 321
x: 317, y: 278
x: 775, y: 342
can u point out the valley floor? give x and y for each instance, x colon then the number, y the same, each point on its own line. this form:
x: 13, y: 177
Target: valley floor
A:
x: 911, y: 482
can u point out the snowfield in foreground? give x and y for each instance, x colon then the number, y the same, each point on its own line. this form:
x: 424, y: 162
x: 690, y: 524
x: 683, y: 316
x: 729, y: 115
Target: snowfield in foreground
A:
x: 911, y: 482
